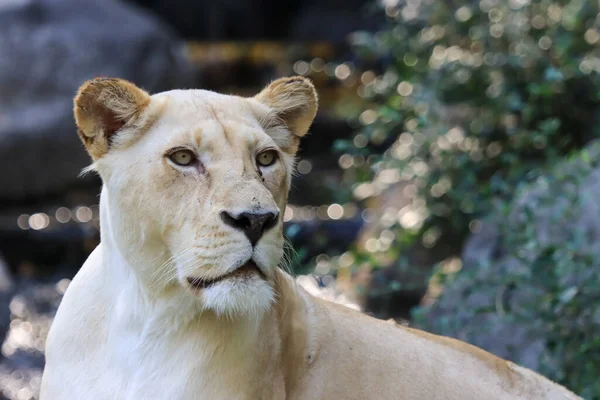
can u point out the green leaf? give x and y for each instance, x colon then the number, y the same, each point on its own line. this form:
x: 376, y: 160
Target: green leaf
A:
x: 553, y: 75
x: 568, y: 295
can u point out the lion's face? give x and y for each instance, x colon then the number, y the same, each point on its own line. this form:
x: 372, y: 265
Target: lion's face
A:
x: 197, y: 183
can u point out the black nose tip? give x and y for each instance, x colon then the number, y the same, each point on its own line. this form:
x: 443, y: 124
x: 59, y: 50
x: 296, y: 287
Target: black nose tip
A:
x: 254, y: 225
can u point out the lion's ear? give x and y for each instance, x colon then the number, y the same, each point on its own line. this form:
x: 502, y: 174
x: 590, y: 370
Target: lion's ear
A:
x: 103, y: 107
x: 293, y: 101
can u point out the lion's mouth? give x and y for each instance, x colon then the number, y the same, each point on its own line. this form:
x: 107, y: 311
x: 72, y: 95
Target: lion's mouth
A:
x: 246, y: 270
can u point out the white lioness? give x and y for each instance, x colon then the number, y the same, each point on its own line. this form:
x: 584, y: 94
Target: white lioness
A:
x: 183, y: 298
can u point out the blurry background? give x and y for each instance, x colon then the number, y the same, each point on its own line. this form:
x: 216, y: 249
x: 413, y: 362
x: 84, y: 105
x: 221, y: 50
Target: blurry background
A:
x: 451, y: 180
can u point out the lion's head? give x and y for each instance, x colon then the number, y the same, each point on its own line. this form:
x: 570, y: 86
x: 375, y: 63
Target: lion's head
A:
x: 195, y: 184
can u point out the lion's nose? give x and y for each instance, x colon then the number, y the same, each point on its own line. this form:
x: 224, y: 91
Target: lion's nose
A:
x: 254, y: 225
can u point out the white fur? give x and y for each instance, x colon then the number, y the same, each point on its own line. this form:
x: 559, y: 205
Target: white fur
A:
x: 130, y: 327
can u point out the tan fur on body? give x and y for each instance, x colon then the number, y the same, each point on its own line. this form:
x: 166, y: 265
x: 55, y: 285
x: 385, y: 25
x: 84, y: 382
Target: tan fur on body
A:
x: 135, y: 322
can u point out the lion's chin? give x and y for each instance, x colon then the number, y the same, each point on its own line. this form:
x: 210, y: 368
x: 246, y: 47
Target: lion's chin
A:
x: 248, y: 296
x: 247, y: 271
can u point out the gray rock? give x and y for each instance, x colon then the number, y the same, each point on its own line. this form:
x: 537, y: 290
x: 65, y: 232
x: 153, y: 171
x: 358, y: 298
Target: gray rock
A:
x: 479, y: 306
x: 7, y: 290
x: 47, y: 49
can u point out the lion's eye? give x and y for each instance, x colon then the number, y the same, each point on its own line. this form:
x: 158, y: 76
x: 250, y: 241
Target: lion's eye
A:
x: 266, y: 158
x: 182, y: 157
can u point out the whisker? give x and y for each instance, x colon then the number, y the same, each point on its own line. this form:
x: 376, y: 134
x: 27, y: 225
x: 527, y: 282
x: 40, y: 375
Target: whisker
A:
x: 290, y: 257
x: 167, y: 270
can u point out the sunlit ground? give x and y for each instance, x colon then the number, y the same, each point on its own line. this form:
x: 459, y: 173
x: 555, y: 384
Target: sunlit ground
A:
x: 31, y: 313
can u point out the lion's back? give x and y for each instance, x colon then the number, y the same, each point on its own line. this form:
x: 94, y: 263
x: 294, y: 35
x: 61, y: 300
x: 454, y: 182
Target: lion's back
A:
x: 383, y: 359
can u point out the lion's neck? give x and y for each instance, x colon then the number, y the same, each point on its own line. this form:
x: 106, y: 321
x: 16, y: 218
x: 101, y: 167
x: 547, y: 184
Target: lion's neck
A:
x: 269, y: 349
x: 263, y: 359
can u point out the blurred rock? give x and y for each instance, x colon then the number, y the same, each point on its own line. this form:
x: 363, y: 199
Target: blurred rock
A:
x: 333, y: 20
x: 213, y: 20
x: 390, y: 288
x: 49, y: 48
x: 7, y: 289
x: 318, y: 20
x: 475, y: 306
x: 314, y: 237
x: 327, y: 291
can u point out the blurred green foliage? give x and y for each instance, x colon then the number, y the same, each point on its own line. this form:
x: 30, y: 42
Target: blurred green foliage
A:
x: 474, y: 100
